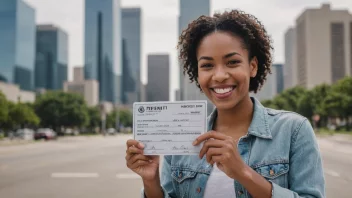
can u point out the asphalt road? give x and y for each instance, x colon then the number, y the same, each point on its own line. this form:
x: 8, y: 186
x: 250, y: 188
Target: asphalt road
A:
x: 94, y: 167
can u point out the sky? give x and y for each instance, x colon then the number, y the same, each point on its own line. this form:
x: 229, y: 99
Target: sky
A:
x: 159, y: 24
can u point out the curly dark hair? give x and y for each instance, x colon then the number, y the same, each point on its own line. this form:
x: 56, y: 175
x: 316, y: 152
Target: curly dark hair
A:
x: 254, y: 37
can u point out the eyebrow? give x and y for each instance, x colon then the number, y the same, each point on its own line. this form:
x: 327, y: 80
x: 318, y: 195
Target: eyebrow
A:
x: 226, y: 56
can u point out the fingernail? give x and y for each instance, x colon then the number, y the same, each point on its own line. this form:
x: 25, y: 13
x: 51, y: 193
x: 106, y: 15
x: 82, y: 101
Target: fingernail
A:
x: 194, y: 142
x: 141, y: 145
x: 150, y: 161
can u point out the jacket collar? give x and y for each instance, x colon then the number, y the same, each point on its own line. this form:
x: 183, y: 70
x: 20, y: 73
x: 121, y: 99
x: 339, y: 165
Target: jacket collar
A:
x: 259, y: 126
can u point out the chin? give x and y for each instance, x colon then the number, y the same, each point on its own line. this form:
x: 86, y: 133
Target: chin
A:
x: 225, y: 105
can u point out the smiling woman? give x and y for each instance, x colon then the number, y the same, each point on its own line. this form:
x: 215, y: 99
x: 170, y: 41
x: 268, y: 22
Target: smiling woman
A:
x: 250, y: 150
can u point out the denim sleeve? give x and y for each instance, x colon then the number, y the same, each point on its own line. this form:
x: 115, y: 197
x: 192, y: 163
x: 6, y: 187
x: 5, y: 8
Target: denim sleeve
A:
x: 165, y: 180
x: 306, y: 176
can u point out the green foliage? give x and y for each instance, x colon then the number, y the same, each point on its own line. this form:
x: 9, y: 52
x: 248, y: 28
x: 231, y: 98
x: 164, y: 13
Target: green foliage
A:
x: 22, y: 115
x: 16, y: 115
x: 94, y: 117
x: 60, y: 109
x: 125, y: 118
x: 324, y: 100
x: 3, y: 109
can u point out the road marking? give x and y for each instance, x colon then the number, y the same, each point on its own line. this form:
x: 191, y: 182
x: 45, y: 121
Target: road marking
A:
x: 332, y: 173
x: 127, y: 176
x: 74, y: 175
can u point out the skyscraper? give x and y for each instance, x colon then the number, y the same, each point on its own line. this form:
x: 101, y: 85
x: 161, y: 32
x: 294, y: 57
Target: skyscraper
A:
x: 17, y: 43
x: 273, y: 85
x: 131, y: 34
x: 158, y: 87
x: 279, y: 77
x: 51, y: 57
x: 128, y: 82
x: 189, y: 11
x: 290, y: 66
x: 103, y: 47
x: 324, y: 48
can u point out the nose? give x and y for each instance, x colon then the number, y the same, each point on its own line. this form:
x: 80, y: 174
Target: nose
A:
x: 220, y: 74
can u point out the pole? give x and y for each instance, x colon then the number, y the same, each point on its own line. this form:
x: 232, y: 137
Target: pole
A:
x: 117, y: 123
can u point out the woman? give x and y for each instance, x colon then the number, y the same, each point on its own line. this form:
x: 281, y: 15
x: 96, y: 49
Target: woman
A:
x: 250, y: 150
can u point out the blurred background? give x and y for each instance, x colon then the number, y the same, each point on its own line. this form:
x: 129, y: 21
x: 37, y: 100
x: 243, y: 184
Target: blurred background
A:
x: 70, y: 71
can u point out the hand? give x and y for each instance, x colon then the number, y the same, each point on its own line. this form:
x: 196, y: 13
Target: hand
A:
x: 145, y: 166
x: 222, y: 150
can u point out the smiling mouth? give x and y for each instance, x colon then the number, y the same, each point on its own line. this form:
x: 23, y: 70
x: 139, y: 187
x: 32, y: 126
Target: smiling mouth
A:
x: 223, y: 90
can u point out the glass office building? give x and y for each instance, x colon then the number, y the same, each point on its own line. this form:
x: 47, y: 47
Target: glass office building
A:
x: 51, y: 57
x: 189, y: 11
x: 17, y: 43
x: 103, y: 47
x: 131, y: 34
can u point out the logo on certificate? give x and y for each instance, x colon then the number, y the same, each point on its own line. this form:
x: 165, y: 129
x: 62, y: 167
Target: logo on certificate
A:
x: 141, y: 109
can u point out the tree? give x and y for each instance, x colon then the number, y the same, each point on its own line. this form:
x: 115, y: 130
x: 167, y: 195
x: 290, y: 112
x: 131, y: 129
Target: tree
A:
x: 306, y: 105
x: 339, y: 100
x: 290, y: 98
x: 60, y: 109
x: 125, y: 118
x: 23, y: 115
x: 20, y: 115
x: 3, y: 109
x: 94, y: 117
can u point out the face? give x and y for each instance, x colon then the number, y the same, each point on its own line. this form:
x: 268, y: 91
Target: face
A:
x: 224, y: 69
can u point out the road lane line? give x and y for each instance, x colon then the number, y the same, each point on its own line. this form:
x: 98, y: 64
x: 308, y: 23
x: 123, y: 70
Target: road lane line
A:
x: 332, y: 173
x: 127, y: 176
x: 74, y: 175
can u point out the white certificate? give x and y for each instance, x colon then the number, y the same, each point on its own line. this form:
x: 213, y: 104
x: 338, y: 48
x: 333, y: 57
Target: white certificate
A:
x: 169, y: 128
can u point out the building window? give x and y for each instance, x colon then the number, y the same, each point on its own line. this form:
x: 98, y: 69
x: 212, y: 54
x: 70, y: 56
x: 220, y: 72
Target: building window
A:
x: 337, y: 51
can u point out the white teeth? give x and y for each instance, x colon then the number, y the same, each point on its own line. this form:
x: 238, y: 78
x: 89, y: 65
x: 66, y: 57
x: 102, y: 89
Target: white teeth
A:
x: 222, y: 91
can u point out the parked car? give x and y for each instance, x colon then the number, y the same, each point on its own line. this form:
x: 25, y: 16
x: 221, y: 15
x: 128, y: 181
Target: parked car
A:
x: 45, y: 133
x: 69, y: 131
x: 111, y: 131
x: 25, y: 134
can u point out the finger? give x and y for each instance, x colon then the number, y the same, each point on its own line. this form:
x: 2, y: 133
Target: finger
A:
x: 212, y: 152
x: 208, y: 135
x: 137, y: 157
x: 134, y: 150
x: 139, y: 163
x: 130, y: 152
x: 135, y: 143
x: 217, y: 159
x: 208, y: 144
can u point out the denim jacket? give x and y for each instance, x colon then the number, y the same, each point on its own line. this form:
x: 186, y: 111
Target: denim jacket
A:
x: 280, y: 146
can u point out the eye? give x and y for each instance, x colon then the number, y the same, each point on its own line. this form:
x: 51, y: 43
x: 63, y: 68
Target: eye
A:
x: 206, y: 65
x: 233, y: 62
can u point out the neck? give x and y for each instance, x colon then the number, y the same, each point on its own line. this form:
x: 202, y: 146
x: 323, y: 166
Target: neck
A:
x: 239, y: 117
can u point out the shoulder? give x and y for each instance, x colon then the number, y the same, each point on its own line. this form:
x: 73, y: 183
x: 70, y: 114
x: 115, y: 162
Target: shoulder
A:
x: 287, y: 123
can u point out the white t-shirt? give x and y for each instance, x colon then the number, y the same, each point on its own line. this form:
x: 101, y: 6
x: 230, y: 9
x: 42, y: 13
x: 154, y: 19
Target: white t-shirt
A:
x: 219, y: 185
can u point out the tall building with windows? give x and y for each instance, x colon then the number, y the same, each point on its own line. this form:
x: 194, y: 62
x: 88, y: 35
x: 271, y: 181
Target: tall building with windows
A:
x: 189, y: 11
x: 131, y: 34
x: 273, y: 85
x: 51, y: 57
x: 17, y: 43
x: 102, y: 60
x: 290, y: 65
x: 158, y: 87
x: 279, y: 77
x: 324, y: 46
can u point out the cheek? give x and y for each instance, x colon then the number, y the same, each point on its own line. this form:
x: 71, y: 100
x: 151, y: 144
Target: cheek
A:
x: 203, y: 79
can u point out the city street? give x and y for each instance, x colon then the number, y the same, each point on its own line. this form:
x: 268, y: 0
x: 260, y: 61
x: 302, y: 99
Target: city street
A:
x: 94, y: 167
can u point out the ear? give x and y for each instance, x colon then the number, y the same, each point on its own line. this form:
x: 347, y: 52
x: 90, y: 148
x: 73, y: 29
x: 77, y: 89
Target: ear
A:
x: 253, y: 66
